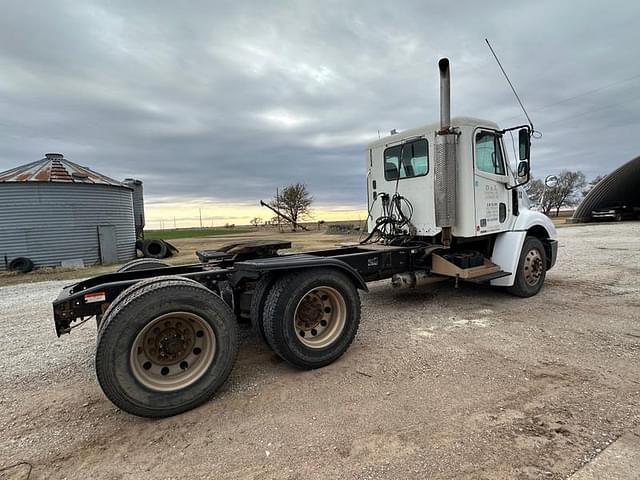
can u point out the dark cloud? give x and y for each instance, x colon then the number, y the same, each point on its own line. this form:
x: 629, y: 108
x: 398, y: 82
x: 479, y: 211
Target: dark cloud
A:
x: 227, y: 100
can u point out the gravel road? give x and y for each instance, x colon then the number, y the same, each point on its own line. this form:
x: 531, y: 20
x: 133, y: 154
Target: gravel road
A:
x: 465, y: 383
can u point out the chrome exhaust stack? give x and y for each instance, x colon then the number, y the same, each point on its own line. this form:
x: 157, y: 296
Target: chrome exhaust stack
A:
x: 445, y: 160
x: 445, y: 94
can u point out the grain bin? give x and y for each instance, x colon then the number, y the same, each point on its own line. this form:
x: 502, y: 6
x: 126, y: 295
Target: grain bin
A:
x: 138, y: 204
x: 58, y: 213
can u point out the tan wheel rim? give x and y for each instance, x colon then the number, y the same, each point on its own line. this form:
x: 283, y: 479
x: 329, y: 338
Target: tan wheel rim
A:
x: 172, y: 351
x: 533, y: 267
x: 320, y: 317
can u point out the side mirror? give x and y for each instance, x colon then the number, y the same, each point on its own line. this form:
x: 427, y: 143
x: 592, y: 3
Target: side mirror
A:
x: 524, y: 143
x: 523, y: 169
x: 551, y: 181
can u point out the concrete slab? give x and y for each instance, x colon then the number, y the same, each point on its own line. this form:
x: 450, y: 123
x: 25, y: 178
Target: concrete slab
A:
x: 620, y: 461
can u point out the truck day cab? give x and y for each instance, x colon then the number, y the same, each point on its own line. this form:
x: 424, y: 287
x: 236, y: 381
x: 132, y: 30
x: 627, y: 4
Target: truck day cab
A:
x: 443, y: 203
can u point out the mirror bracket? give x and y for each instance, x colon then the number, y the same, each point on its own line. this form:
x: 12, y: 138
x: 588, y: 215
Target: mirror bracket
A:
x: 522, y: 131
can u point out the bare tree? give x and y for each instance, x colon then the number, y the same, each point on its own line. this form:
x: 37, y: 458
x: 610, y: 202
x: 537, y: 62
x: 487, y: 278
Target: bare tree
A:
x: 294, y: 201
x: 567, y: 191
x: 539, y: 195
x: 534, y: 190
x: 592, y: 184
x: 256, y: 221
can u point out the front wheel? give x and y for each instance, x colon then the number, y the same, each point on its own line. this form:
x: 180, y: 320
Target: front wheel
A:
x: 532, y: 269
x: 311, y: 317
x: 166, y: 347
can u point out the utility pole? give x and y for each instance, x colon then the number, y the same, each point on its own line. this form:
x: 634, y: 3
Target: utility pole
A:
x: 174, y: 223
x: 278, y: 204
x: 200, y: 217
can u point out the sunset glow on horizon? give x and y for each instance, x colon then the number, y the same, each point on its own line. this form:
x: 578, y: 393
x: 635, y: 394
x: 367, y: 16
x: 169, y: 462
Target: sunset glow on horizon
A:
x: 175, y: 214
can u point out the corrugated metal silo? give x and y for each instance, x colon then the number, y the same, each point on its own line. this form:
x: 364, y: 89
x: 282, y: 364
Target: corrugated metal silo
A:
x: 58, y: 213
x: 138, y: 203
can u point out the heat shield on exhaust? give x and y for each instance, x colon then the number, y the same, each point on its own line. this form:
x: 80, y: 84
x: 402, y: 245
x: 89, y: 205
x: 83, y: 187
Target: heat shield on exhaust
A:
x: 445, y: 179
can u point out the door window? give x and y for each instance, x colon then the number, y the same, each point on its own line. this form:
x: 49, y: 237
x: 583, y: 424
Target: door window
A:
x: 489, y: 154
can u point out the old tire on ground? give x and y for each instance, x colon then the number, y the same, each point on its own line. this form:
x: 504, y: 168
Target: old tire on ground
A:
x: 258, y: 301
x: 165, y: 347
x: 532, y: 268
x: 142, y: 264
x: 154, y: 249
x: 21, y: 265
x: 311, y: 317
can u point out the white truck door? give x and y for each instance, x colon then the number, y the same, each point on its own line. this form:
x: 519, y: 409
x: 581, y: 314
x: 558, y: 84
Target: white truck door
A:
x: 492, y: 205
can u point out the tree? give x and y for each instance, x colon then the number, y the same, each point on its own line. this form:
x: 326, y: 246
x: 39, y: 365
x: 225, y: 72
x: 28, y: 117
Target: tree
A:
x: 294, y: 201
x: 256, y: 221
x: 534, y: 190
x: 539, y: 195
x: 592, y: 184
x: 566, y: 192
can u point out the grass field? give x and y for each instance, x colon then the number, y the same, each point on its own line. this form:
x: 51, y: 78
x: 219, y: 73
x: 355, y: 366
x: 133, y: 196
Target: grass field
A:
x: 193, y: 232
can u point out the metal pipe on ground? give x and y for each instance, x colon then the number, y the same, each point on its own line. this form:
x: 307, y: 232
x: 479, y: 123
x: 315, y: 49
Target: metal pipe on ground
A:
x: 280, y: 214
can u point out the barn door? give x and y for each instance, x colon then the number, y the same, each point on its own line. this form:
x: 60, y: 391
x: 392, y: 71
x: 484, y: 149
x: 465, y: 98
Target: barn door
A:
x: 108, y: 244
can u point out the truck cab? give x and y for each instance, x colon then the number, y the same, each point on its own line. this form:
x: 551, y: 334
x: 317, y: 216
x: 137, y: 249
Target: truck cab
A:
x: 490, y: 205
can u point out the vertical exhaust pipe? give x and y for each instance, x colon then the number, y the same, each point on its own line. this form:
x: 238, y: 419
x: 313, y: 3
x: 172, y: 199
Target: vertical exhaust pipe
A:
x: 445, y: 161
x: 445, y: 94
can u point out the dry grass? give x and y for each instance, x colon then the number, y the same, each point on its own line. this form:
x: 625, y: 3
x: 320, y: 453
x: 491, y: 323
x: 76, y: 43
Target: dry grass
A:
x: 188, y: 246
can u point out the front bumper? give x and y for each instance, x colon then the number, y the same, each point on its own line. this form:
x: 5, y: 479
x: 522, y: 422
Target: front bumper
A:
x: 603, y: 215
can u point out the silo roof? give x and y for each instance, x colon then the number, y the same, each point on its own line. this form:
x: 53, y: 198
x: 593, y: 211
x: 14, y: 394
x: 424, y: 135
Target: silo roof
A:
x: 55, y: 168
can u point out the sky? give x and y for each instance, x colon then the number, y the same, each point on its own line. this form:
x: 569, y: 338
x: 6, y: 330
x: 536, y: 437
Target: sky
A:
x: 213, y: 105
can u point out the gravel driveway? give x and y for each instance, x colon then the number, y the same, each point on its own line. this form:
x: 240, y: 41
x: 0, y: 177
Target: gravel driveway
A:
x: 440, y: 383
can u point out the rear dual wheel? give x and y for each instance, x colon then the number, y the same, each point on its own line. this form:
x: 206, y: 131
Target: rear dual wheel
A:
x: 136, y: 265
x: 142, y: 264
x: 166, y: 345
x: 311, y: 317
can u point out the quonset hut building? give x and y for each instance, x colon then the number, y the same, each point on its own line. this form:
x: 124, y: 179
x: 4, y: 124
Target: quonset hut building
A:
x: 57, y: 213
x: 622, y: 185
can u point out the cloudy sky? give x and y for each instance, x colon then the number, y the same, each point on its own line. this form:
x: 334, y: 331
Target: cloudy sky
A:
x: 215, y: 104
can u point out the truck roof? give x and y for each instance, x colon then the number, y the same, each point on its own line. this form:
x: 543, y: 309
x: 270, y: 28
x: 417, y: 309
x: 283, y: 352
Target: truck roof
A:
x: 455, y: 122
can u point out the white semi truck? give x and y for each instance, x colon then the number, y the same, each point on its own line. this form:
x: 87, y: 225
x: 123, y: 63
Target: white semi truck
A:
x: 443, y: 204
x: 455, y: 180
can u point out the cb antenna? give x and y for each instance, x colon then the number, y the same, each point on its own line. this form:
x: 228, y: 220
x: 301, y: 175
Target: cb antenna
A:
x: 511, y: 85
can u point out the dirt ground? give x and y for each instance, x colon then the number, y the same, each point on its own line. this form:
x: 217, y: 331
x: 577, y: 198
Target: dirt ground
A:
x: 440, y: 383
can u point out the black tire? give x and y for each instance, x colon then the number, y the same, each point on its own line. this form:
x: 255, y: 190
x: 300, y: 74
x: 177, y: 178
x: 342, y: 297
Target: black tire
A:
x: 135, y: 266
x: 21, y: 265
x: 127, y: 317
x: 154, y: 249
x: 618, y: 217
x: 258, y: 301
x: 142, y: 264
x: 532, y: 269
x: 280, y: 316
